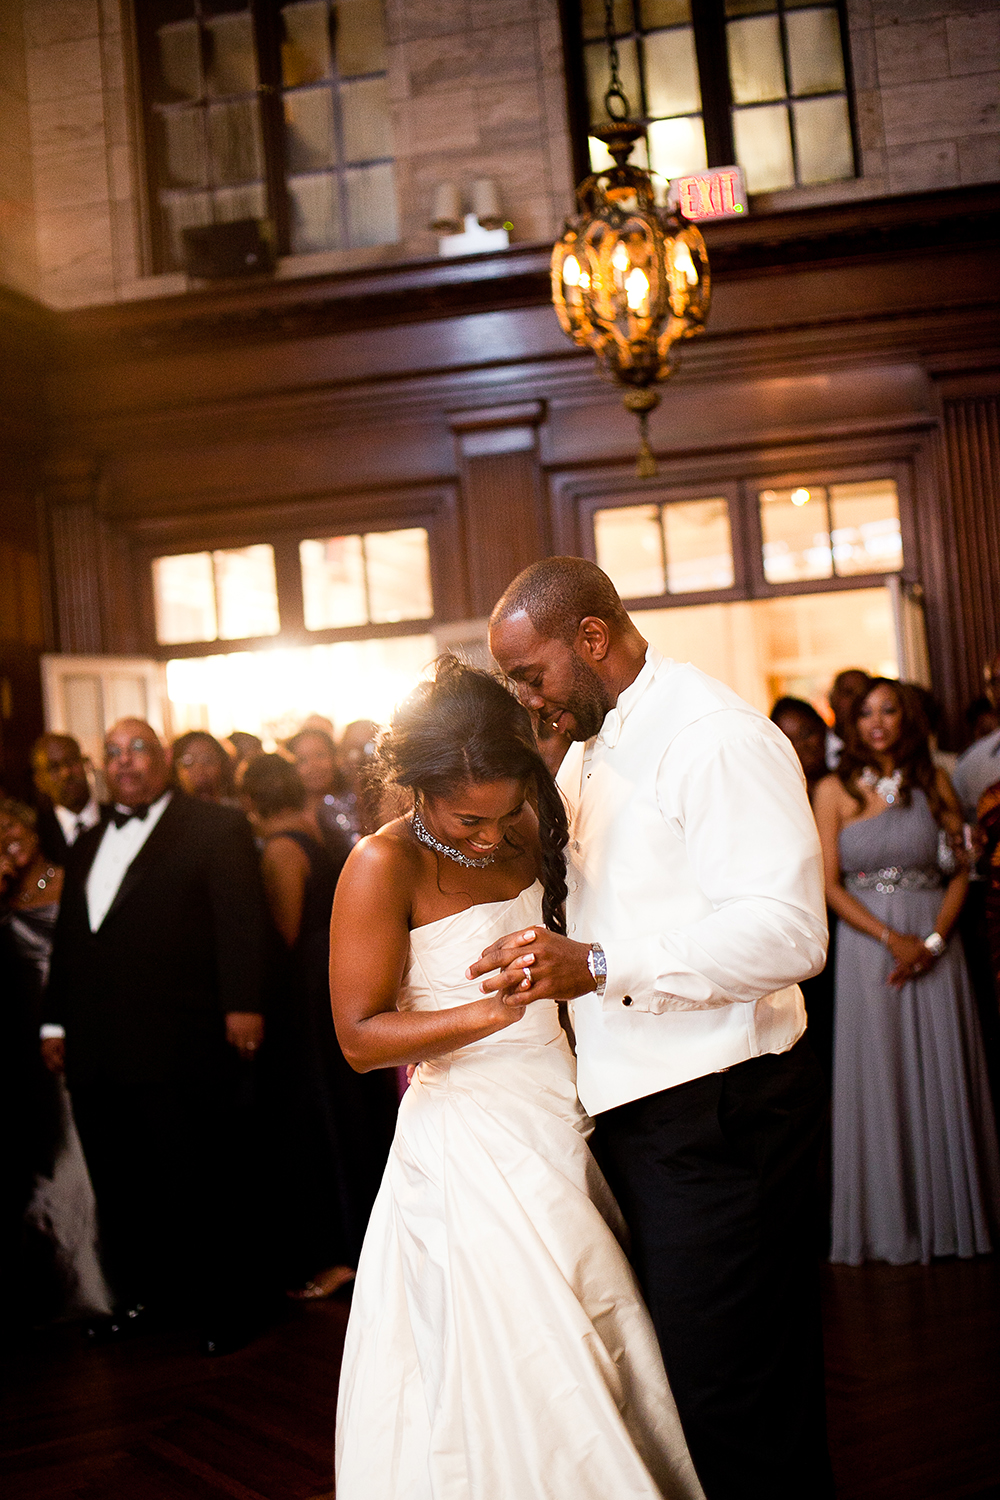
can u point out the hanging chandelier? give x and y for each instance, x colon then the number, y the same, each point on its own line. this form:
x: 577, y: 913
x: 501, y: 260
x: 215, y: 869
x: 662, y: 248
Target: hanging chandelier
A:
x: 629, y: 278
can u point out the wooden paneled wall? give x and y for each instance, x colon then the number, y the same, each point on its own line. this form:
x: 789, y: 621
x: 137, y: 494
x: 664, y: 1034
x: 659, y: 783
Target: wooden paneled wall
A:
x: 971, y: 434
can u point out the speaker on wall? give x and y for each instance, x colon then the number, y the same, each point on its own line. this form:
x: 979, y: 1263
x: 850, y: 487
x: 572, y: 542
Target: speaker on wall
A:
x: 244, y: 247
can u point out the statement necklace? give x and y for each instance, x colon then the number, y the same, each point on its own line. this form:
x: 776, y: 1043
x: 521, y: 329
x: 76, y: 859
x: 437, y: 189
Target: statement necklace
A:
x: 448, y: 850
x: 885, y: 786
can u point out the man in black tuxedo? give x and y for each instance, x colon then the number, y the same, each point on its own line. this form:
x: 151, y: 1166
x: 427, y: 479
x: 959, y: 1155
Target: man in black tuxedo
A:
x: 67, y: 806
x: 157, y: 980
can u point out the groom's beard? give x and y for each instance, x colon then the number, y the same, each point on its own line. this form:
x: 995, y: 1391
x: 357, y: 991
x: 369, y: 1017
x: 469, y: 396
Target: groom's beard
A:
x: 588, y: 701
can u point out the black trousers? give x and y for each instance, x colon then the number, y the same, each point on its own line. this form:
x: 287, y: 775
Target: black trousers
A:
x: 169, y: 1198
x: 717, y: 1180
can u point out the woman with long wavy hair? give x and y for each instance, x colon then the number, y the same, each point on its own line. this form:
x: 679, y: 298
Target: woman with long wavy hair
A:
x: 915, y: 1164
x: 498, y: 1348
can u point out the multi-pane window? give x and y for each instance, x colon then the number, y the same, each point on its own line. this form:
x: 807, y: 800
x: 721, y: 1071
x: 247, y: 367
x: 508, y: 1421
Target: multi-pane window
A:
x: 684, y: 547
x: 757, y: 82
x: 379, y: 578
x: 830, y: 531
x: 226, y: 595
x: 257, y: 109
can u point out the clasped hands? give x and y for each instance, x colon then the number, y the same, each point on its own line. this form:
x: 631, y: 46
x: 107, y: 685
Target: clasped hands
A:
x: 534, y: 964
x: 912, y: 956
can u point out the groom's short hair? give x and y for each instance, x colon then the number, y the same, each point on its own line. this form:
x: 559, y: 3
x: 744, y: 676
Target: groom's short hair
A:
x: 559, y: 592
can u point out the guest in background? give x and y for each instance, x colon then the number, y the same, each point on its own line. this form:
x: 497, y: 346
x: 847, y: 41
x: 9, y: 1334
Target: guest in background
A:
x: 333, y: 1127
x: 355, y: 754
x: 156, y: 988
x: 848, y: 687
x: 806, y: 729
x: 68, y: 805
x: 317, y: 763
x: 989, y: 825
x: 981, y: 718
x: 916, y: 1172
x: 202, y: 768
x: 978, y: 767
x: 245, y: 746
x: 61, y: 1210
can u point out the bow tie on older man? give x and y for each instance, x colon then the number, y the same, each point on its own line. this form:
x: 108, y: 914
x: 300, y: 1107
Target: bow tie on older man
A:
x: 121, y: 815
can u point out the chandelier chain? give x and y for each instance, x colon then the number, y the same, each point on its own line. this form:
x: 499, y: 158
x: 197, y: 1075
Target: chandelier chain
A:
x: 615, y: 90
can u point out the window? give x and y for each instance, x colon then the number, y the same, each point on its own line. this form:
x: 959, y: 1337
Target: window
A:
x: 758, y: 82
x: 215, y: 596
x: 830, y: 531
x: 379, y: 578
x: 265, y: 110
x: 680, y: 548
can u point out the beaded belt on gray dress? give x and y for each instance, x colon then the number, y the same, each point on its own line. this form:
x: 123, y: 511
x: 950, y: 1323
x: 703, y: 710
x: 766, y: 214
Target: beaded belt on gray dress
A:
x: 894, y: 878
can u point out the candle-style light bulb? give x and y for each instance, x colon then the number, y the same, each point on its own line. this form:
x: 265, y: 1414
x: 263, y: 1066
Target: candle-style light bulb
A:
x: 637, y: 289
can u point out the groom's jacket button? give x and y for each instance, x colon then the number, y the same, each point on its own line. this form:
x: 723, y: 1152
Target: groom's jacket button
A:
x: 626, y: 999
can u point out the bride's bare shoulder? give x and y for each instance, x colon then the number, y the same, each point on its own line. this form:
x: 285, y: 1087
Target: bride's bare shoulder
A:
x: 389, y: 857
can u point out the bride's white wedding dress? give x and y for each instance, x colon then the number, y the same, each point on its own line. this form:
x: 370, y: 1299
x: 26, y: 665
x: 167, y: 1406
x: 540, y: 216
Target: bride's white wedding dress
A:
x: 498, y: 1347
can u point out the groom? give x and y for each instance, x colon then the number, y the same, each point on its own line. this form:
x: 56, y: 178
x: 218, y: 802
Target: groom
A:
x: 695, y: 906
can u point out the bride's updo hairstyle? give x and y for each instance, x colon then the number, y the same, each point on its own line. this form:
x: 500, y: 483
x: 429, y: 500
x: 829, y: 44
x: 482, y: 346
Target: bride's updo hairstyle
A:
x: 461, y: 727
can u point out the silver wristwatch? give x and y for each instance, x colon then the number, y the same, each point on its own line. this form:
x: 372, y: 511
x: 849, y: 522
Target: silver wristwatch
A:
x: 598, y: 966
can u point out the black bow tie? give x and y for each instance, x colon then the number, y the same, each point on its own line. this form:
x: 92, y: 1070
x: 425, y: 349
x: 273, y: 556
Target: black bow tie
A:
x: 122, y: 815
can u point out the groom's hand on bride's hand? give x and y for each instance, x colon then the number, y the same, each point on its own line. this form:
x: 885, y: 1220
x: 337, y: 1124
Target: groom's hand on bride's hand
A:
x: 534, y: 964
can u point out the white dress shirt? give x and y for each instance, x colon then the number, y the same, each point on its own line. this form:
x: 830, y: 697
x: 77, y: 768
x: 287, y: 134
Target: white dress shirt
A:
x: 975, y: 770
x: 116, y: 851
x: 694, y: 861
x: 73, y: 824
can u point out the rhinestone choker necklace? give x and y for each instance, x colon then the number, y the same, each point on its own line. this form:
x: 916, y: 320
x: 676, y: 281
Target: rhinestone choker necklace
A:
x: 448, y: 850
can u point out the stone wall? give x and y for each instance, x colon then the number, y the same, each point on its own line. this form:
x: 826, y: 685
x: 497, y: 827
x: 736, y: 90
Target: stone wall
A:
x: 18, y: 265
x: 477, y: 90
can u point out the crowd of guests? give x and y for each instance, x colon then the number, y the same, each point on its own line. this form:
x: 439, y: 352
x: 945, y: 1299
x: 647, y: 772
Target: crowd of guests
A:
x: 186, y: 1141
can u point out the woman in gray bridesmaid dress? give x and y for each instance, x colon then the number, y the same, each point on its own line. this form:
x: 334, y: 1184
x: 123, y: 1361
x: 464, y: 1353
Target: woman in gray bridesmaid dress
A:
x: 916, y: 1172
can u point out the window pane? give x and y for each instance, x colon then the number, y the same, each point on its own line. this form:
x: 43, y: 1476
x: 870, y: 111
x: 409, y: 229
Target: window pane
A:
x: 333, y: 582
x: 246, y: 592
x: 629, y: 547
x: 371, y: 205
x: 764, y: 147
x: 314, y: 209
x: 865, y: 532
x: 671, y: 73
x: 823, y: 140
x: 305, y: 51
x: 232, y: 59
x: 399, y: 575
x: 184, y: 155
x: 593, y: 17
x: 184, y: 598
x: 677, y: 146
x: 183, y: 211
x: 235, y: 148
x: 815, y: 60
x: 309, y: 130
x: 699, y: 546
x: 180, y: 60
x: 365, y: 112
x: 599, y: 76
x: 796, y: 539
x: 664, y: 12
x: 239, y: 203
x: 361, y: 38
x: 601, y: 158
x: 756, y: 70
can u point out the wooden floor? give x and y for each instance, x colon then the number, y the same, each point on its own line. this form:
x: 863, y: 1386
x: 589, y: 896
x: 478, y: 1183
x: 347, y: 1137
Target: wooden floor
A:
x: 914, y: 1386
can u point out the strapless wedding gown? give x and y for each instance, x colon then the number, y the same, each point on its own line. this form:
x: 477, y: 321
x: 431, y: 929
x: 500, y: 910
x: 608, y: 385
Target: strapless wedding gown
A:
x: 498, y: 1347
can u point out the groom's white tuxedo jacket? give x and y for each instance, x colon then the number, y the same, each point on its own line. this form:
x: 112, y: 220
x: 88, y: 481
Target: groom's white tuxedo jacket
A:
x: 694, y: 861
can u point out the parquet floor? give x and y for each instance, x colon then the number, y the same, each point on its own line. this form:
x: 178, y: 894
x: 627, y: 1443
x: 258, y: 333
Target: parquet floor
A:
x: 914, y: 1385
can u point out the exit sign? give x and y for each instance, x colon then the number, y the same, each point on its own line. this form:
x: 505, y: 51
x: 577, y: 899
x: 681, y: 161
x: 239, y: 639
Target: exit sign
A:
x: 718, y: 193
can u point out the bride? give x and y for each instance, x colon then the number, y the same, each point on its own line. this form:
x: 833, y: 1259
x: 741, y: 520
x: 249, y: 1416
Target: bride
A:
x: 497, y: 1348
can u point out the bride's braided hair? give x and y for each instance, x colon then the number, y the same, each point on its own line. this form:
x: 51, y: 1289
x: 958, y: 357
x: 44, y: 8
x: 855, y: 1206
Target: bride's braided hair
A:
x: 464, y: 726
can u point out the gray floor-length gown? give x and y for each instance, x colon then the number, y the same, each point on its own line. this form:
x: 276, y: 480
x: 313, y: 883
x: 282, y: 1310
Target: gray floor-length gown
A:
x: 915, y: 1162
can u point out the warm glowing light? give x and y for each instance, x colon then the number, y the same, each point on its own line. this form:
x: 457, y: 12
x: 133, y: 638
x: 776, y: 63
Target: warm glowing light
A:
x: 571, y: 274
x: 619, y: 258
x: 637, y: 289
x: 584, y: 281
x: 684, y: 264
x: 800, y: 497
